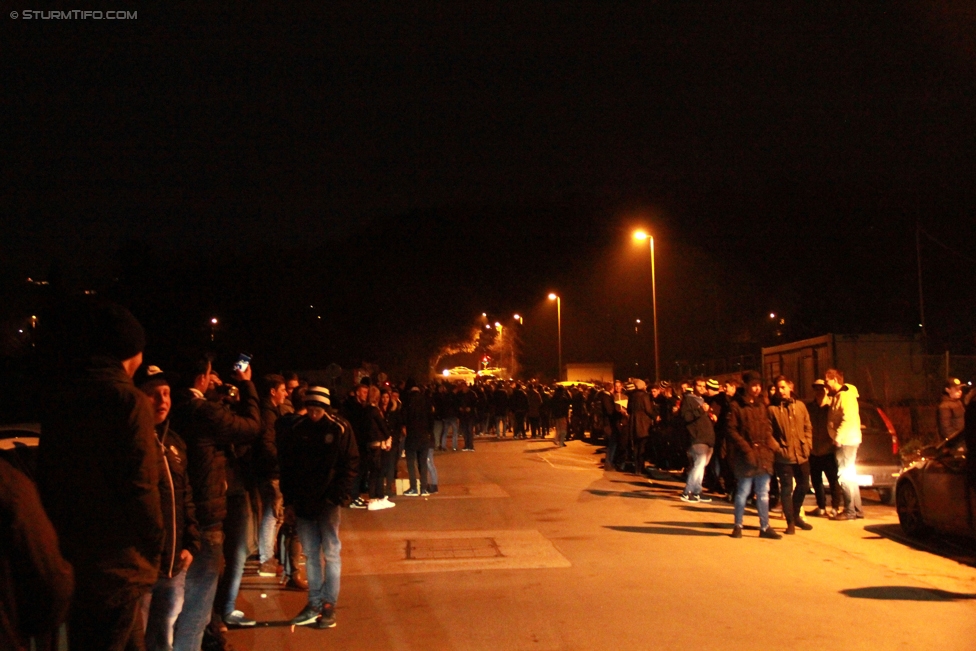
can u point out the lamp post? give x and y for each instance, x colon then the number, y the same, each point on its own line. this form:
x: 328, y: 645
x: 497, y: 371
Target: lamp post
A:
x: 640, y: 236
x: 559, y: 331
x: 213, y: 326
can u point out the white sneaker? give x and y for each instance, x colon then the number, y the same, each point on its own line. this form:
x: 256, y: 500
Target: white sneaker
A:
x: 380, y: 504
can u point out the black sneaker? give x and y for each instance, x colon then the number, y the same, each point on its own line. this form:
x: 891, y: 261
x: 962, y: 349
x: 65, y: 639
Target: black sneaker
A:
x: 803, y: 524
x: 769, y: 533
x: 358, y: 503
x: 736, y: 532
x: 817, y: 512
x: 327, y: 619
x: 308, y: 616
x: 411, y: 492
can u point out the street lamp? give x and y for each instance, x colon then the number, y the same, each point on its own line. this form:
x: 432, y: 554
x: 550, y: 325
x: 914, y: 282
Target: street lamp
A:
x: 213, y: 325
x: 640, y: 236
x: 559, y: 330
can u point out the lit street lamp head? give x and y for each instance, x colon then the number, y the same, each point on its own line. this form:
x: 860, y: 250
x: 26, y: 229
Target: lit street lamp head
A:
x: 213, y: 321
x: 640, y: 236
x: 552, y: 296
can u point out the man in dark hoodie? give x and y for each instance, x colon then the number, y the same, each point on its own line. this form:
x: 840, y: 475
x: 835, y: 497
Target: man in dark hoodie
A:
x: 752, y: 450
x: 161, y: 606
x: 211, y: 431
x: 98, y: 474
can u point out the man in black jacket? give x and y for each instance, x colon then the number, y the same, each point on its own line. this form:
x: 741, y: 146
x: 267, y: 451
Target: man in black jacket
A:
x: 162, y: 605
x: 319, y: 461
x: 98, y: 475
x: 416, y: 420
x: 211, y: 431
x: 264, y: 465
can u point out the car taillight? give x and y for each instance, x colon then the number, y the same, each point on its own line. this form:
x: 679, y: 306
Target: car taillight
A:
x: 891, y: 431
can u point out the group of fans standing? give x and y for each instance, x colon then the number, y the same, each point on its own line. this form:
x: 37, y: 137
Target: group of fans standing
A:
x: 148, y: 482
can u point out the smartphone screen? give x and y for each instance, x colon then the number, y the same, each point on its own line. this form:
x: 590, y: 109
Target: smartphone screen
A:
x: 243, y: 360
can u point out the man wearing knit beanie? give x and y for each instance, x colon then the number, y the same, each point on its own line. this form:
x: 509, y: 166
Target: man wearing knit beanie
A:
x: 98, y: 474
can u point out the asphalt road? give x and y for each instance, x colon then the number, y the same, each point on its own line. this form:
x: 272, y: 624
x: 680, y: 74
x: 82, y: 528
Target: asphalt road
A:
x: 529, y: 546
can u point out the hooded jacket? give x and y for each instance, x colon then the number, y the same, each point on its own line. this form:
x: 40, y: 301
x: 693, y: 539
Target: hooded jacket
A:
x: 844, y: 419
x: 696, y: 419
x: 750, y: 443
x: 793, y: 431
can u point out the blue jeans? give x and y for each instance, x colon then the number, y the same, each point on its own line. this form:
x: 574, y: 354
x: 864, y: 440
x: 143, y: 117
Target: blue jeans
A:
x: 746, y: 485
x: 235, y: 551
x: 438, y: 431
x: 500, y: 426
x: 159, y: 610
x: 431, y: 469
x: 699, y: 454
x: 452, y: 425
x: 561, y: 425
x: 271, y: 515
x: 321, y: 537
x: 847, y: 477
x: 199, y: 592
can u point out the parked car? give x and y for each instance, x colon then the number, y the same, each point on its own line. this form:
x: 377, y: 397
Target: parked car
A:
x: 932, y: 494
x: 879, y: 461
x: 18, y: 446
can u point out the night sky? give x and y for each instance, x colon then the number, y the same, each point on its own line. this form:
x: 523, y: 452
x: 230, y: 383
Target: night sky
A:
x: 398, y: 170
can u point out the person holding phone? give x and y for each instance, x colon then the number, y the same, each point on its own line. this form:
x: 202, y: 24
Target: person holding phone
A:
x: 211, y: 430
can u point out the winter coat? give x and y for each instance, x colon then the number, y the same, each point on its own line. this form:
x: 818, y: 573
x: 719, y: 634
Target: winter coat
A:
x: 793, y: 431
x: 951, y: 417
x: 264, y: 451
x: 822, y: 442
x: 98, y: 475
x: 211, y: 430
x: 35, y: 581
x: 319, y: 462
x: 416, y: 418
x: 699, y: 425
x: 519, y: 401
x: 560, y: 404
x: 750, y: 443
x: 535, y: 403
x: 176, y: 497
x: 642, y: 414
x: 844, y: 419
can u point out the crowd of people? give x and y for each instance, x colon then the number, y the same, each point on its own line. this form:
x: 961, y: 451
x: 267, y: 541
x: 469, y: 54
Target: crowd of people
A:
x: 149, y: 482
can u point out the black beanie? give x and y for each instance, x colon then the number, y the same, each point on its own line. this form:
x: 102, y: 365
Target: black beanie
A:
x: 117, y: 333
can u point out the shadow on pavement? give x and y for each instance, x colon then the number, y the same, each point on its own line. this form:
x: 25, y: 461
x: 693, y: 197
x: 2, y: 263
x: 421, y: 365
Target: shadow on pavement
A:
x: 629, y: 494
x: 667, y: 531
x: 905, y: 593
x: 699, y: 525
x: 959, y: 550
x: 729, y: 510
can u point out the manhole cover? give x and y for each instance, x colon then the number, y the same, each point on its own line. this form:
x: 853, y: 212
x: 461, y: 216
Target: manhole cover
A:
x: 452, y: 549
